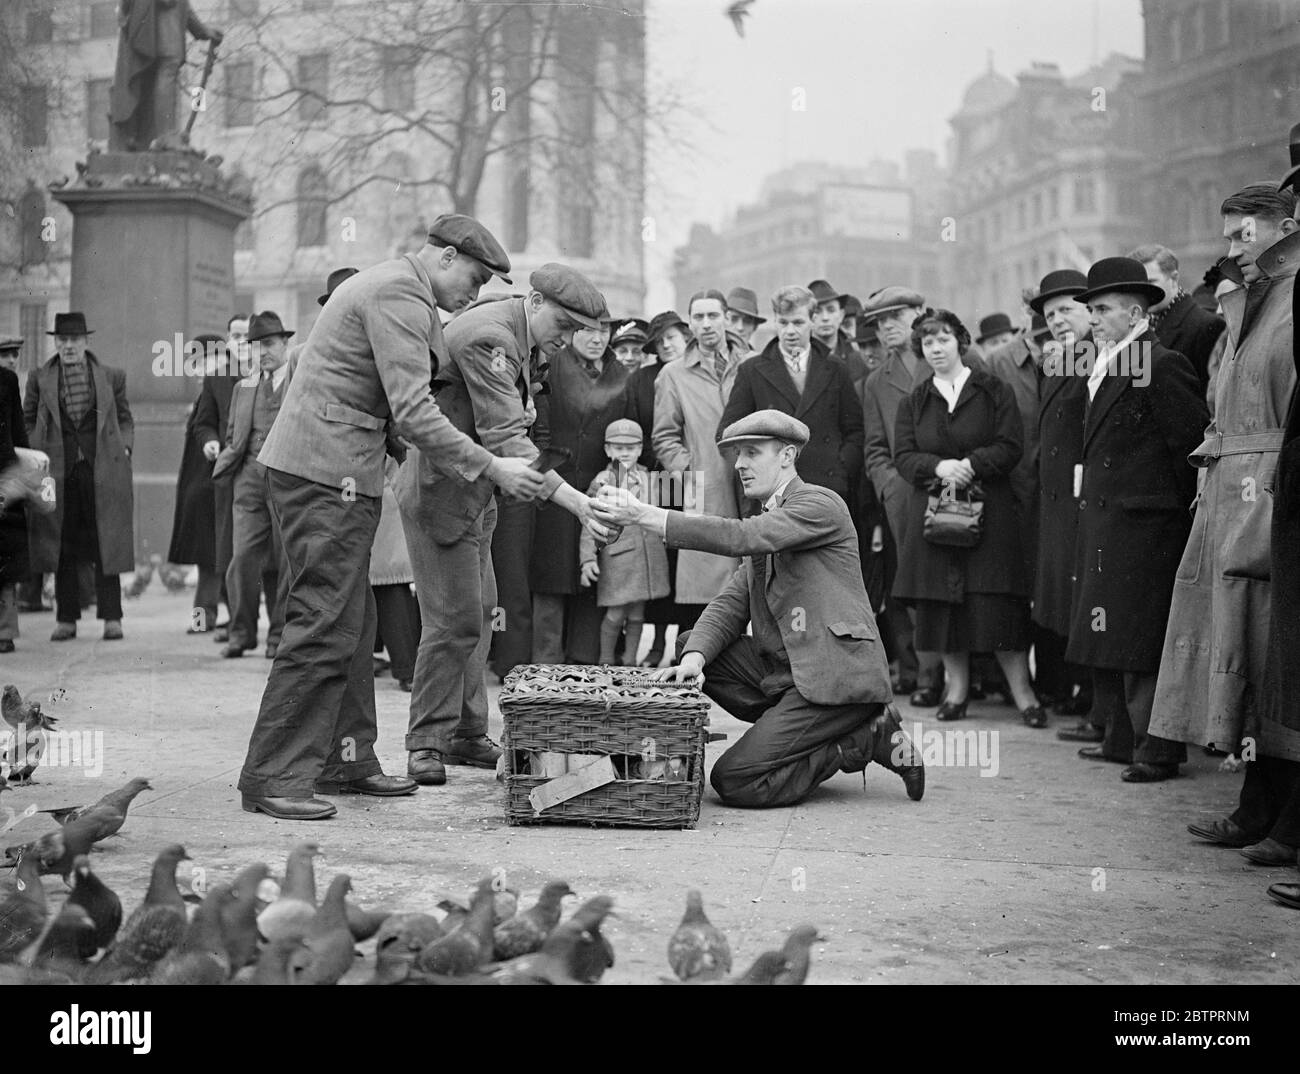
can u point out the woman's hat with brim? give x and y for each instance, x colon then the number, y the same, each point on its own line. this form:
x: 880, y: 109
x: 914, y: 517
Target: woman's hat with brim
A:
x: 659, y: 324
x: 1120, y: 276
x: 1066, y: 281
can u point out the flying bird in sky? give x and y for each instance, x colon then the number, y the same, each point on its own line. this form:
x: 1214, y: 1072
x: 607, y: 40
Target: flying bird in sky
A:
x: 737, y: 13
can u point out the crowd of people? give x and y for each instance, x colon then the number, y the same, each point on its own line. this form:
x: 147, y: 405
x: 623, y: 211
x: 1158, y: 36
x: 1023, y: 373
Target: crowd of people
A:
x: 1086, y: 506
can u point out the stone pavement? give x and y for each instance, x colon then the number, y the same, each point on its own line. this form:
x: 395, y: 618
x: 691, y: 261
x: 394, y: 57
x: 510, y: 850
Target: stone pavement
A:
x: 1050, y: 870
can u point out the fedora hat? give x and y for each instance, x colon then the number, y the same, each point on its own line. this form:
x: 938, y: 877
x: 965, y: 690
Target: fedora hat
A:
x: 1120, y: 275
x: 335, y: 278
x: 70, y: 324
x: 1066, y: 281
x: 1292, y: 178
x: 994, y: 324
x: 822, y: 291
x: 266, y: 324
x: 743, y: 301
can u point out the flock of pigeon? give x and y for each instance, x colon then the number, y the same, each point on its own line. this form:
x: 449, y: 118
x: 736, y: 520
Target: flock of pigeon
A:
x: 258, y: 930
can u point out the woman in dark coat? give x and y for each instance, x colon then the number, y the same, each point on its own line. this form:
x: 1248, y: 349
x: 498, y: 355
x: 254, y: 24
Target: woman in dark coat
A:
x: 14, y: 566
x: 669, y: 335
x: 962, y: 427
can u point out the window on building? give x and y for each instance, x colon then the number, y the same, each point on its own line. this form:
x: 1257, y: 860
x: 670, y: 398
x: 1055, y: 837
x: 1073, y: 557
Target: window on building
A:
x: 1223, y: 21
x: 1036, y: 209
x: 1085, y: 194
x: 245, y: 239
x: 1034, y: 274
x: 1053, y: 203
x: 1176, y: 38
x: 31, y: 326
x: 1020, y: 215
x: 399, y: 77
x: 103, y: 18
x: 35, y: 115
x: 31, y: 222
x: 98, y: 91
x: 1196, y: 31
x: 40, y: 29
x: 313, y: 205
x: 239, y: 89
x: 313, y: 85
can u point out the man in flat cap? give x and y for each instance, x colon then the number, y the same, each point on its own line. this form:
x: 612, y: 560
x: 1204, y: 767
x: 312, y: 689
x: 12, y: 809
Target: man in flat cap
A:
x: 10, y: 354
x: 365, y: 372
x: 497, y: 354
x: 812, y: 677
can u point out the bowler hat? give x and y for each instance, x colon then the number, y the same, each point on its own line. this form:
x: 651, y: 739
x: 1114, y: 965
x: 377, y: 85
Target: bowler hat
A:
x: 889, y: 299
x: 1120, y: 275
x: 824, y: 292
x: 13, y: 344
x: 1038, y: 327
x: 623, y: 431
x: 1292, y: 178
x: 70, y: 324
x: 1066, y: 281
x: 470, y: 237
x: 743, y: 301
x: 994, y: 324
x: 765, y: 425
x: 335, y: 278
x: 659, y: 324
x: 633, y: 330
x: 572, y: 291
x: 264, y: 325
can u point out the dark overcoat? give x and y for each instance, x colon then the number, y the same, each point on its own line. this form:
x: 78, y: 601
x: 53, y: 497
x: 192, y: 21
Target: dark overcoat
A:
x: 13, y: 522
x: 1192, y: 332
x: 985, y: 427
x: 1133, y: 512
x: 194, y: 523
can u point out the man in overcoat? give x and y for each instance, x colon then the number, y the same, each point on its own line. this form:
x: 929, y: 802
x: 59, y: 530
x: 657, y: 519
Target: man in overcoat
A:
x: 1178, y: 320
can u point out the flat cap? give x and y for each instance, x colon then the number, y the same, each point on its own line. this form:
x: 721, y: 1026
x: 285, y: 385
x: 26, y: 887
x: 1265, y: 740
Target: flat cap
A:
x: 765, y: 425
x: 623, y: 431
x: 470, y: 237
x: 570, y: 289
x: 888, y: 299
x: 13, y: 344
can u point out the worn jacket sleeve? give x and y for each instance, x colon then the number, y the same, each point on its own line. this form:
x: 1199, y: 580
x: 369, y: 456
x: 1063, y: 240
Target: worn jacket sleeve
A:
x: 879, y: 459
x: 125, y: 422
x: 915, y: 466
x: 670, y: 426
x: 999, y: 457
x: 723, y: 621
x: 807, y: 519
x: 397, y: 326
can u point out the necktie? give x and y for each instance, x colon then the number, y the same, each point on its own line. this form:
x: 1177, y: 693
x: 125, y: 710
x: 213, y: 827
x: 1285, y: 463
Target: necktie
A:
x: 720, y: 364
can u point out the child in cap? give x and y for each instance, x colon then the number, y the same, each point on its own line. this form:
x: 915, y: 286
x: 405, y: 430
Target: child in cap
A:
x: 634, y: 568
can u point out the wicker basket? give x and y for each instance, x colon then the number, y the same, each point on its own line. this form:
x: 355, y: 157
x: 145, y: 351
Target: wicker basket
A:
x: 580, y: 709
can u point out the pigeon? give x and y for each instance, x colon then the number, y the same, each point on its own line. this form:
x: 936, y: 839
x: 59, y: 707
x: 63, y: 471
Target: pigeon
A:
x: 525, y: 933
x: 22, y: 910
x: 156, y: 926
x: 574, y: 953
x: 57, y: 851
x: 698, y: 949
x: 294, y: 910
x: 143, y: 576
x: 593, y: 954
x: 200, y: 957
x: 26, y: 744
x: 100, y: 903
x: 455, y: 913
x: 363, y: 924
x: 399, y: 940
x: 174, y: 578
x: 273, y: 966
x: 737, y: 13
x: 505, y: 904
x: 327, y: 952
x: 119, y: 800
x: 466, y: 948
x: 239, y: 917
x: 58, y: 957
x: 765, y: 970
x: 797, y: 954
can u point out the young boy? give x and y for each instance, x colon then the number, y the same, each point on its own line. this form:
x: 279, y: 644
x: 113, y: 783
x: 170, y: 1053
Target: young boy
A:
x: 632, y: 569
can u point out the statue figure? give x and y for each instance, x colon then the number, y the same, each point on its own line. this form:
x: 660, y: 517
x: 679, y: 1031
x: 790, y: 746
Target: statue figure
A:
x: 150, y: 52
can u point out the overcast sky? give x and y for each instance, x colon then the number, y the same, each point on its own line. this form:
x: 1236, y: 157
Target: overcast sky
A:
x: 877, y: 77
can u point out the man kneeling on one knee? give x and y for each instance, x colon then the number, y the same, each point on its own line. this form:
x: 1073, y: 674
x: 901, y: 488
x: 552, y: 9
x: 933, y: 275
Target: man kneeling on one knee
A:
x: 812, y: 676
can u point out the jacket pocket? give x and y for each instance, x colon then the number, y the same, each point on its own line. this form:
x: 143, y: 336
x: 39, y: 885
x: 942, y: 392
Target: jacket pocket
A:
x: 857, y: 631
x: 1246, y: 552
x: 345, y: 415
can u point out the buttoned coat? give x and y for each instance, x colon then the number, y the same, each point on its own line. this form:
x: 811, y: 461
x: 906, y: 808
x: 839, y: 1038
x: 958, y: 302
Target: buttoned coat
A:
x: 1133, y: 511
x: 110, y: 441
x: 828, y: 405
x: 812, y: 588
x: 369, y: 361
x: 689, y: 401
x: 242, y: 403
x: 1212, y: 665
x: 985, y: 428
x: 634, y: 567
x: 1192, y: 332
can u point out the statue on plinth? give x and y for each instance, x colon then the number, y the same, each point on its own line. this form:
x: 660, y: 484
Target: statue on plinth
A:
x: 146, y: 84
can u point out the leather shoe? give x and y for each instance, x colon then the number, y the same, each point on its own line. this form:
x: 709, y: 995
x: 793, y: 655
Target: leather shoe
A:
x: 904, y: 686
x: 1081, y: 732
x: 376, y: 786
x: 479, y: 752
x: 288, y: 808
x: 1144, y: 772
x: 1097, y: 753
x: 1224, y: 832
x: 112, y: 630
x: 1286, y: 894
x: 927, y: 697
x: 232, y: 650
x: 426, y: 767
x: 952, y: 710
x: 221, y: 634
x: 1034, y: 716
x: 1269, y: 852
x: 64, y: 631
x: 272, y: 647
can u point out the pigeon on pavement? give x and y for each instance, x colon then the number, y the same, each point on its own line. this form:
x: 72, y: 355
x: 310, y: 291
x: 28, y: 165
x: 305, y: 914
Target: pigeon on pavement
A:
x: 399, y: 940
x: 119, y: 800
x: 797, y: 953
x: 156, y: 926
x: 294, y: 910
x: 99, y: 902
x: 525, y: 933
x: 22, y: 910
x: 26, y: 745
x: 200, y: 957
x: 698, y: 949
x: 327, y: 952
x: 466, y: 948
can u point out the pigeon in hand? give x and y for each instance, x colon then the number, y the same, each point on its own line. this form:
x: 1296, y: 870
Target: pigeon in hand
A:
x: 327, y: 952
x: 698, y: 949
x: 119, y: 801
x: 525, y: 933
x: 100, y: 903
x: 26, y: 744
x: 200, y: 957
x: 399, y: 940
x: 797, y: 953
x: 294, y: 910
x: 22, y: 909
x: 467, y: 947
x: 155, y: 926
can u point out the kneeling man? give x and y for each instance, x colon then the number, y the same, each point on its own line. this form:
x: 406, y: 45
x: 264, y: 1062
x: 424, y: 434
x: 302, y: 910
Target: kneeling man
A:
x: 812, y: 677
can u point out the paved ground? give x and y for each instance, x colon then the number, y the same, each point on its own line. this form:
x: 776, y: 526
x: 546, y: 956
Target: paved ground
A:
x: 1052, y: 870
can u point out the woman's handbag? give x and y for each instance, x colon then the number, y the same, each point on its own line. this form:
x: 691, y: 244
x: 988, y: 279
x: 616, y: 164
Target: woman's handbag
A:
x: 954, y: 518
